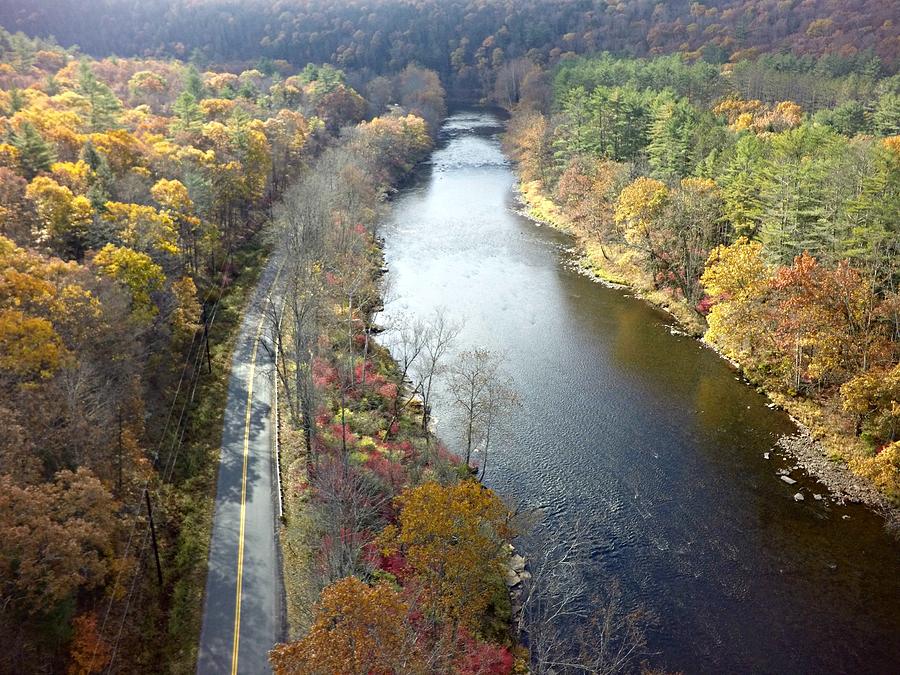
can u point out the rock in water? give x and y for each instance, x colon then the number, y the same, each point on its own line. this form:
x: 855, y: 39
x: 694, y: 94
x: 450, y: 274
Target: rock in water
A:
x: 788, y: 480
x: 798, y: 497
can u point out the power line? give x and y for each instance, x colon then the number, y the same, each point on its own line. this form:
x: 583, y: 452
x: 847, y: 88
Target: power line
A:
x: 138, y: 506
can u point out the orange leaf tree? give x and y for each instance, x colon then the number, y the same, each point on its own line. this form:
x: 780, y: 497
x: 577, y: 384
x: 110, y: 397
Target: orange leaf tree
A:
x: 358, y: 629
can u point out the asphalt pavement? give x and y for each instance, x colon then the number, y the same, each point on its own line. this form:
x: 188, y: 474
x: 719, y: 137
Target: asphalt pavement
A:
x: 243, y: 613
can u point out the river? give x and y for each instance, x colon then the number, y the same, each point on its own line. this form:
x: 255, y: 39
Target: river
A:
x: 642, y: 436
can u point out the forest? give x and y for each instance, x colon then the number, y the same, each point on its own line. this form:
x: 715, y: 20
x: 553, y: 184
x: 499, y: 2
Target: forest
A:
x: 736, y: 162
x: 762, y: 213
x: 463, y: 41
x: 135, y: 198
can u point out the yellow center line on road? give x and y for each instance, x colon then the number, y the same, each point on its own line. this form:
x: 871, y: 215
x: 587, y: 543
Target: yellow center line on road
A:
x: 240, y: 564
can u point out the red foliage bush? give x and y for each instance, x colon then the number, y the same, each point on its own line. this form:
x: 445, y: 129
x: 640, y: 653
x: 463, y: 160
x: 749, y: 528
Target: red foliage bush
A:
x: 705, y: 304
x: 388, y: 391
x: 324, y: 374
x: 390, y: 473
x: 481, y: 658
x: 395, y: 563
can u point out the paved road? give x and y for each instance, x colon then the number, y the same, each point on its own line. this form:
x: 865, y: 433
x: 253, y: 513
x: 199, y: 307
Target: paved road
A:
x: 243, y: 613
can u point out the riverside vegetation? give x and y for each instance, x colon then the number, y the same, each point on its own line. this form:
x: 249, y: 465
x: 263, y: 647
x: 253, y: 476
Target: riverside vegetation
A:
x: 765, y: 225
x: 749, y: 184
x: 395, y: 555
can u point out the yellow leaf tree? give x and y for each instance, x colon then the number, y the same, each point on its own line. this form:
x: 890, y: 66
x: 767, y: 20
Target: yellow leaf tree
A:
x: 454, y: 539
x: 143, y: 228
x: 136, y: 272
x: 29, y: 346
x: 64, y: 217
x: 638, y: 209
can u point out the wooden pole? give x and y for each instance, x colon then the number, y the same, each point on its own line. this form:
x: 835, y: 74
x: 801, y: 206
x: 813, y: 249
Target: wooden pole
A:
x: 153, y: 536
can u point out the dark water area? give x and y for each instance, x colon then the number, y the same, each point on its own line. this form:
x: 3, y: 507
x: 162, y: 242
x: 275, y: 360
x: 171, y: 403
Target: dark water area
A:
x: 644, y: 437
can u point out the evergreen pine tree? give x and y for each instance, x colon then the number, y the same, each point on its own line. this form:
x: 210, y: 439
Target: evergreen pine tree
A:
x: 35, y: 154
x: 102, y: 182
x: 671, y: 150
x: 190, y: 117
x: 105, y: 107
x: 51, y: 86
x: 193, y: 83
x: 887, y: 115
x: 741, y: 186
x: 791, y: 191
x: 16, y: 102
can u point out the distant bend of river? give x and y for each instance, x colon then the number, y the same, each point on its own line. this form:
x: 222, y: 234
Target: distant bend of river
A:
x: 644, y: 437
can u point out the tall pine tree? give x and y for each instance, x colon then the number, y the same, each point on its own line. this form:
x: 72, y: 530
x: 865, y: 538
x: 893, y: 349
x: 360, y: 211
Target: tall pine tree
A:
x: 671, y: 150
x: 105, y: 107
x: 35, y: 154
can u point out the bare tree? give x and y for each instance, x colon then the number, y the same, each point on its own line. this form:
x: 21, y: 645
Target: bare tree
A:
x: 295, y: 323
x: 346, y: 506
x: 407, y: 348
x: 439, y: 338
x: 483, y: 397
x: 500, y: 400
x: 567, y: 629
x: 510, y: 76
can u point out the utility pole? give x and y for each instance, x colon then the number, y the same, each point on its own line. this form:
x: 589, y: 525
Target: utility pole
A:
x: 206, y: 321
x: 206, y: 341
x: 153, y: 536
x: 119, y: 478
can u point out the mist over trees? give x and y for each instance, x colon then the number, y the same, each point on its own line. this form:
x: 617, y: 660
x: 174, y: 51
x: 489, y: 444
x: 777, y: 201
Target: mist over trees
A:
x: 464, y: 41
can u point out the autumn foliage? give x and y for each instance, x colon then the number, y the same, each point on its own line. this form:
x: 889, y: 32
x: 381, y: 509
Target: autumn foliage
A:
x: 358, y: 629
x: 766, y: 224
x: 453, y: 539
x: 132, y: 193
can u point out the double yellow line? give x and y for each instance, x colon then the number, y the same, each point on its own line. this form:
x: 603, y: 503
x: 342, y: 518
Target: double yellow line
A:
x: 240, y: 564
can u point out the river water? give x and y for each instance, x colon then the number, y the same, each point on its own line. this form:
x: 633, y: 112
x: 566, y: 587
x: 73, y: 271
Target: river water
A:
x: 643, y: 437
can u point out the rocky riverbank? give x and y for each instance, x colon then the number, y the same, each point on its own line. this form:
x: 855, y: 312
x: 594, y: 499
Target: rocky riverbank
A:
x: 844, y: 485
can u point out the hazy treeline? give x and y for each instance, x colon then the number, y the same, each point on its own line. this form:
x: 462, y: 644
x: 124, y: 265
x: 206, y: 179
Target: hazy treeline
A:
x: 464, y: 41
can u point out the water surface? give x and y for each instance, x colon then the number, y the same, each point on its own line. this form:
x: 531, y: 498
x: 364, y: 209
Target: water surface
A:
x: 644, y: 436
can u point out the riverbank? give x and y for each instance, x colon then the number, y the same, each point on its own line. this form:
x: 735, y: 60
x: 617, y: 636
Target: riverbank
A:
x: 821, y: 446
x: 610, y: 264
x: 371, y: 497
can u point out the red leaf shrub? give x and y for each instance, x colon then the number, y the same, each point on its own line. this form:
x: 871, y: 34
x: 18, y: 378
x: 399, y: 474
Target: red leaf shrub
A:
x: 481, y: 658
x: 388, y: 391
